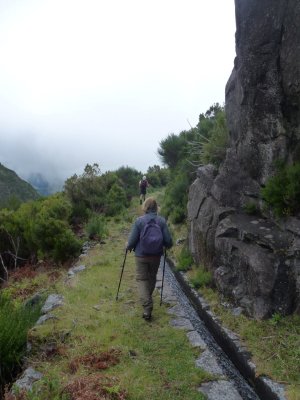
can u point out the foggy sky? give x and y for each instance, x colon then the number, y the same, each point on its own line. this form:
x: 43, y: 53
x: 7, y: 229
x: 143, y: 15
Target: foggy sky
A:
x: 84, y: 81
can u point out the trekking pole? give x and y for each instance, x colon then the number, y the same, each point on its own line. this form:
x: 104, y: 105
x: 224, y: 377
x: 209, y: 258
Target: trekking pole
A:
x: 121, y: 274
x: 163, y: 277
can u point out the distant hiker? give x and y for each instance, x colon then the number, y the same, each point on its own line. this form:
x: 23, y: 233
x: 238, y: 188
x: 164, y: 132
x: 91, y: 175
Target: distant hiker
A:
x: 149, y: 235
x: 143, y: 184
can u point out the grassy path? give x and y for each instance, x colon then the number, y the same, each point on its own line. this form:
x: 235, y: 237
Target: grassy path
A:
x: 102, y: 349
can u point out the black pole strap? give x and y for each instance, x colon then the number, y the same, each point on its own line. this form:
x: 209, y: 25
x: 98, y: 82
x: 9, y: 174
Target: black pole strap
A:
x: 163, y: 277
x: 121, y: 274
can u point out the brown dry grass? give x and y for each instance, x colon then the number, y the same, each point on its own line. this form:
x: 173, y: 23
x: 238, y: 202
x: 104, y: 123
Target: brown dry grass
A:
x: 100, y: 361
x: 94, y: 387
x: 10, y: 396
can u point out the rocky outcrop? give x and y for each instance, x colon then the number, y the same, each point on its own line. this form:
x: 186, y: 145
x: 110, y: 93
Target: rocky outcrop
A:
x: 255, y: 261
x: 262, y: 97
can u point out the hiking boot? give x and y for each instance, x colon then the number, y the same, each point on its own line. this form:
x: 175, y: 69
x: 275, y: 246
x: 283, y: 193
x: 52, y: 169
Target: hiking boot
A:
x: 147, y: 317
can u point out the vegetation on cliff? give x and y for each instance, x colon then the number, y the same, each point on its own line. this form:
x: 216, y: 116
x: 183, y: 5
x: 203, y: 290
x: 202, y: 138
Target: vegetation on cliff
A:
x: 183, y: 153
x: 282, y: 191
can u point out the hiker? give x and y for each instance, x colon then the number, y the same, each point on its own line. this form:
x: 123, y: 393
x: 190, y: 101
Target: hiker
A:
x: 143, y: 184
x: 148, y: 251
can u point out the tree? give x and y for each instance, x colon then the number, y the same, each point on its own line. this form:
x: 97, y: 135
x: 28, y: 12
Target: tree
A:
x: 116, y: 200
x: 183, y: 153
x: 157, y: 176
x: 91, y: 171
x: 129, y: 178
x: 86, y: 192
x: 171, y: 150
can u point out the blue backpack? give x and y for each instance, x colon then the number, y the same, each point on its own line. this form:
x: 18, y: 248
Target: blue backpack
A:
x: 151, y: 238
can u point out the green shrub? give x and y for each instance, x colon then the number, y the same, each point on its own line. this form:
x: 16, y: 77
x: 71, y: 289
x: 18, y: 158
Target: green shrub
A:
x: 282, y: 191
x: 214, y: 149
x: 79, y: 212
x: 115, y: 201
x: 129, y: 180
x: 15, y: 321
x: 185, y: 260
x: 201, y: 278
x: 276, y: 319
x: 107, y: 193
x: 88, y: 190
x: 50, y: 231
x: 66, y: 246
x: 211, y: 138
x: 178, y: 215
x: 176, y: 195
x: 96, y: 227
x: 172, y: 149
x: 41, y: 228
x: 157, y: 176
x: 183, y: 153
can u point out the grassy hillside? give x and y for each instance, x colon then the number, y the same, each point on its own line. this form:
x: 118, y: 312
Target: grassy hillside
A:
x: 13, y: 187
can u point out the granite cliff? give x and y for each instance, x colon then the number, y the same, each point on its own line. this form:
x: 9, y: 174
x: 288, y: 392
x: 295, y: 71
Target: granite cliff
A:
x: 255, y: 260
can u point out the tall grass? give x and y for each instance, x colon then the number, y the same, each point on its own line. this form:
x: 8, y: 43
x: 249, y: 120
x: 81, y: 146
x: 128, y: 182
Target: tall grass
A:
x: 15, y: 321
x: 185, y: 260
x: 96, y: 227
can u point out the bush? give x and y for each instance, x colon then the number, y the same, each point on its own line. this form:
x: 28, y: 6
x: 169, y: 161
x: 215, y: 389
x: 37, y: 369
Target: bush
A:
x: 172, y: 149
x: 214, y: 149
x: 183, y: 153
x: 15, y: 321
x: 201, y: 278
x: 129, y: 180
x: 176, y: 195
x: 185, y: 260
x: 41, y: 228
x: 108, y: 193
x: 178, y: 215
x: 66, y: 246
x: 96, y: 227
x: 282, y: 191
x: 115, y: 201
x: 50, y: 231
x: 157, y: 176
x: 88, y: 190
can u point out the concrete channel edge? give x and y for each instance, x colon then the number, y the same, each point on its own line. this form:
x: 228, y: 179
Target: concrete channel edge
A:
x: 230, y: 343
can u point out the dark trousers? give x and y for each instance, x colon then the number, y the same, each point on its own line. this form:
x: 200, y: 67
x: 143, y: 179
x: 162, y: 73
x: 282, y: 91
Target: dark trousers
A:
x: 142, y: 196
x: 146, y: 271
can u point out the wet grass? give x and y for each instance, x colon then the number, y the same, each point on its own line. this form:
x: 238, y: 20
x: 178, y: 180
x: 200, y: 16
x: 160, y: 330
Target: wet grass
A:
x: 274, y: 343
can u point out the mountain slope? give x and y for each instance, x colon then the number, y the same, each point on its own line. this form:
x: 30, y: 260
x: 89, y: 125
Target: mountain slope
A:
x: 11, y: 185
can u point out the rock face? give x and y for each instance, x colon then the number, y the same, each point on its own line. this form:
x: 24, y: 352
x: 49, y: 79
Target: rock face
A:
x: 255, y: 261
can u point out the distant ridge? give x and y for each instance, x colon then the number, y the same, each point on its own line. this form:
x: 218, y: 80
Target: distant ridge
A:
x: 12, y: 186
x: 43, y: 186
